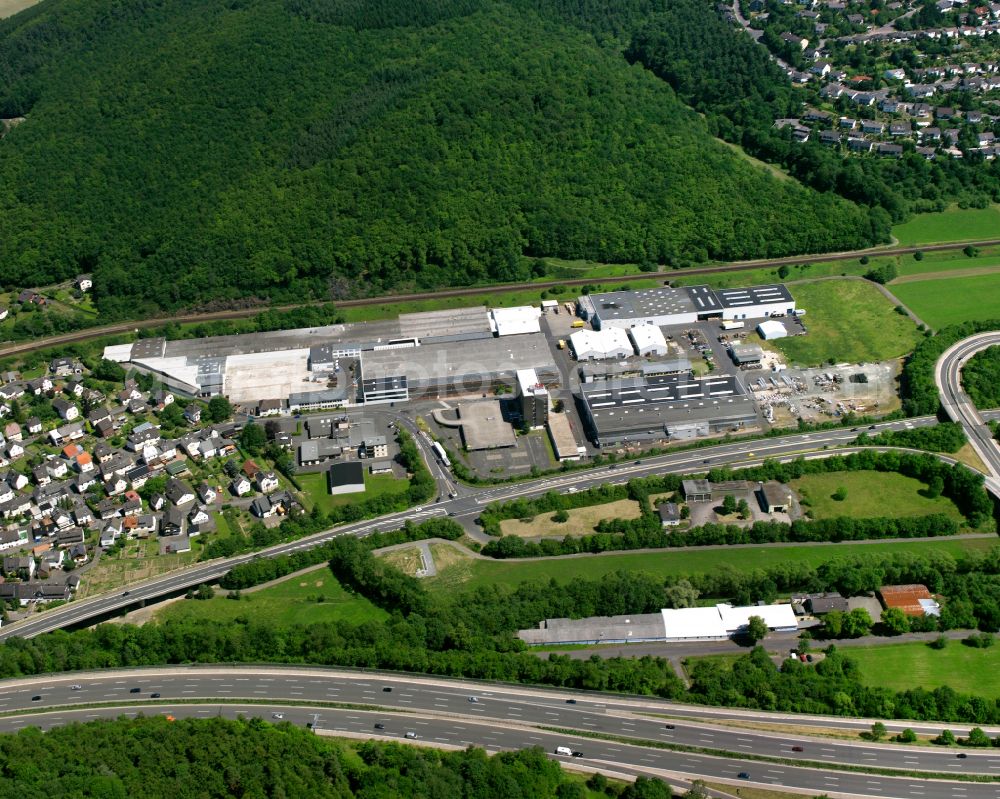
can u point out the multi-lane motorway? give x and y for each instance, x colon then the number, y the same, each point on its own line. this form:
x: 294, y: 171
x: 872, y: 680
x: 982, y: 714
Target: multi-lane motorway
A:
x: 461, y: 713
x: 464, y: 508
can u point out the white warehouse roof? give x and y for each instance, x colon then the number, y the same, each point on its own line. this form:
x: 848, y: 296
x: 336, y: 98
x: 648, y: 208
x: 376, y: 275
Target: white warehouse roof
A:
x: 648, y: 338
x: 771, y: 329
x: 611, y: 342
x: 723, y: 620
x: 512, y: 321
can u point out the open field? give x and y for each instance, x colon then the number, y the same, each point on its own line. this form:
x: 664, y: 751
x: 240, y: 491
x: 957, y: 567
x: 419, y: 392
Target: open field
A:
x: 869, y: 494
x: 916, y: 665
x: 849, y: 321
x: 9, y: 8
x: 955, y: 224
x: 315, y: 488
x: 581, y: 520
x: 946, y: 301
x: 407, y: 560
x: 302, y: 599
x: 754, y: 793
x: 465, y: 572
x: 947, y: 262
x: 138, y: 560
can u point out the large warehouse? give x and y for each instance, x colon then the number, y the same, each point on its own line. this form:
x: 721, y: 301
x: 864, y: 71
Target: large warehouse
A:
x: 683, y: 624
x: 678, y: 407
x: 684, y: 305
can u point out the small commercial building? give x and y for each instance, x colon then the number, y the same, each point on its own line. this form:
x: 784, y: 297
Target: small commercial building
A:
x: 746, y: 355
x: 648, y: 340
x: 483, y: 426
x: 346, y: 478
x: 595, y: 345
x: 697, y: 490
x: 771, y: 329
x: 774, y: 497
x: 913, y: 599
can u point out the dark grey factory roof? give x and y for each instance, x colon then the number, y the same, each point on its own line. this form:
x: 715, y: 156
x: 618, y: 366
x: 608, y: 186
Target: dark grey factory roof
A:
x: 647, y: 302
x: 754, y: 295
x: 703, y: 299
x: 349, y: 473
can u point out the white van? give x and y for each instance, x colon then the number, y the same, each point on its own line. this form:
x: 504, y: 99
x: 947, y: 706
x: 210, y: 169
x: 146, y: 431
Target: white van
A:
x: 564, y: 750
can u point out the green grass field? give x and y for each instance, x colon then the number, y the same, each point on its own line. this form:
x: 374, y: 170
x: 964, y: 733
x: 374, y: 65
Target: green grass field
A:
x: 946, y: 262
x: 849, y: 321
x: 902, y: 666
x: 457, y: 571
x: 955, y: 224
x: 943, y: 302
x: 869, y: 494
x: 314, y: 487
x: 294, y: 600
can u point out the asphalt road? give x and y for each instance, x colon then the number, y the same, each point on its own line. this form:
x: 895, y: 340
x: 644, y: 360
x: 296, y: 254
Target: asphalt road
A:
x: 440, y: 712
x: 464, y: 508
x: 958, y: 406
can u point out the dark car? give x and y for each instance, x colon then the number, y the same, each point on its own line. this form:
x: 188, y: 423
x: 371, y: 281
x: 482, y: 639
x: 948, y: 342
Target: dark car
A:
x: 570, y: 701
x: 135, y: 690
x: 379, y: 726
x: 744, y: 775
x: 36, y: 698
x: 796, y: 748
x: 126, y: 593
x: 707, y: 460
x: 154, y: 696
x: 578, y: 754
x: 669, y: 727
x: 871, y: 427
x: 387, y: 690
x: 961, y: 755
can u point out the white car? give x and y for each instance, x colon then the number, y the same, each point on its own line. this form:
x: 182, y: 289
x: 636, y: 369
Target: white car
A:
x: 473, y: 698
x: 76, y: 687
x: 277, y: 715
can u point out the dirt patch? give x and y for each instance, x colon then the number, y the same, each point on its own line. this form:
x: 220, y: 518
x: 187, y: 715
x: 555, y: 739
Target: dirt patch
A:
x: 406, y: 560
x: 970, y: 457
x: 581, y: 520
x: 9, y: 8
x: 142, y: 615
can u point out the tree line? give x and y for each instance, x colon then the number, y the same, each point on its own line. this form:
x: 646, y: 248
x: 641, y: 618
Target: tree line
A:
x: 207, y: 758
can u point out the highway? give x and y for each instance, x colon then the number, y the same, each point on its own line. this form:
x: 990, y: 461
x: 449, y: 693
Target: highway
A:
x: 505, y: 717
x: 464, y: 508
x: 958, y: 406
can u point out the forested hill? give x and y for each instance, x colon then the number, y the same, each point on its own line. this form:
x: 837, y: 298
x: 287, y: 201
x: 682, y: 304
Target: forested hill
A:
x: 192, y: 150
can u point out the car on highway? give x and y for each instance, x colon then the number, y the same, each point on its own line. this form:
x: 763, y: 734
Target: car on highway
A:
x: 961, y: 755
x: 473, y: 698
x: 76, y: 687
x: 36, y: 698
x: 578, y: 754
x: 134, y: 690
x: 871, y: 427
x: 379, y: 726
x: 744, y: 775
x: 570, y: 701
x: 387, y: 690
x: 277, y: 715
x: 669, y: 727
x: 126, y: 593
x: 564, y: 750
x: 411, y: 735
x: 796, y: 748
x: 171, y: 718
x: 155, y: 695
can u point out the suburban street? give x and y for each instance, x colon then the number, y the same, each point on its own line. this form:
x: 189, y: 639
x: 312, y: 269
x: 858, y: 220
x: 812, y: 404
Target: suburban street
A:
x: 505, y: 717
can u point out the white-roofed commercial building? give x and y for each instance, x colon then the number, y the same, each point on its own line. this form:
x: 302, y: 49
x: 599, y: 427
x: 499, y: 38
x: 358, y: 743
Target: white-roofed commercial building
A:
x: 648, y: 340
x: 593, y: 345
x: 514, y: 321
x: 682, y: 624
x: 771, y: 330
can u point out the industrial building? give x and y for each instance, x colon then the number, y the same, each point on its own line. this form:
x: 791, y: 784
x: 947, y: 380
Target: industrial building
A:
x: 746, y: 355
x: 483, y: 426
x: 678, y: 407
x: 684, y: 305
x: 596, y: 345
x: 533, y: 398
x: 346, y: 478
x: 771, y: 329
x: 515, y: 321
x: 648, y: 340
x: 682, y: 624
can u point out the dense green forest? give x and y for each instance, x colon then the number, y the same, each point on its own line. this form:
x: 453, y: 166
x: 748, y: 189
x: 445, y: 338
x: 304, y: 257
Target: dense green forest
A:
x: 981, y: 378
x: 199, y: 151
x: 208, y: 758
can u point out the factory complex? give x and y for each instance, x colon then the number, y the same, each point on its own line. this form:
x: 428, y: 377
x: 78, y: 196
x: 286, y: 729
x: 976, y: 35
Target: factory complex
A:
x: 633, y: 382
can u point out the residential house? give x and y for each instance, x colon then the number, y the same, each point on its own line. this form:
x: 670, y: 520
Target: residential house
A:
x: 78, y: 552
x: 20, y: 567
x: 64, y: 367
x: 72, y: 536
x: 172, y: 522
x: 13, y: 538
x: 193, y: 412
x: 670, y: 515
x: 34, y: 425
x: 179, y: 492
x: 84, y: 282
x: 66, y: 410
x: 206, y: 493
x: 240, y: 486
x: 12, y: 431
x: 266, y: 481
